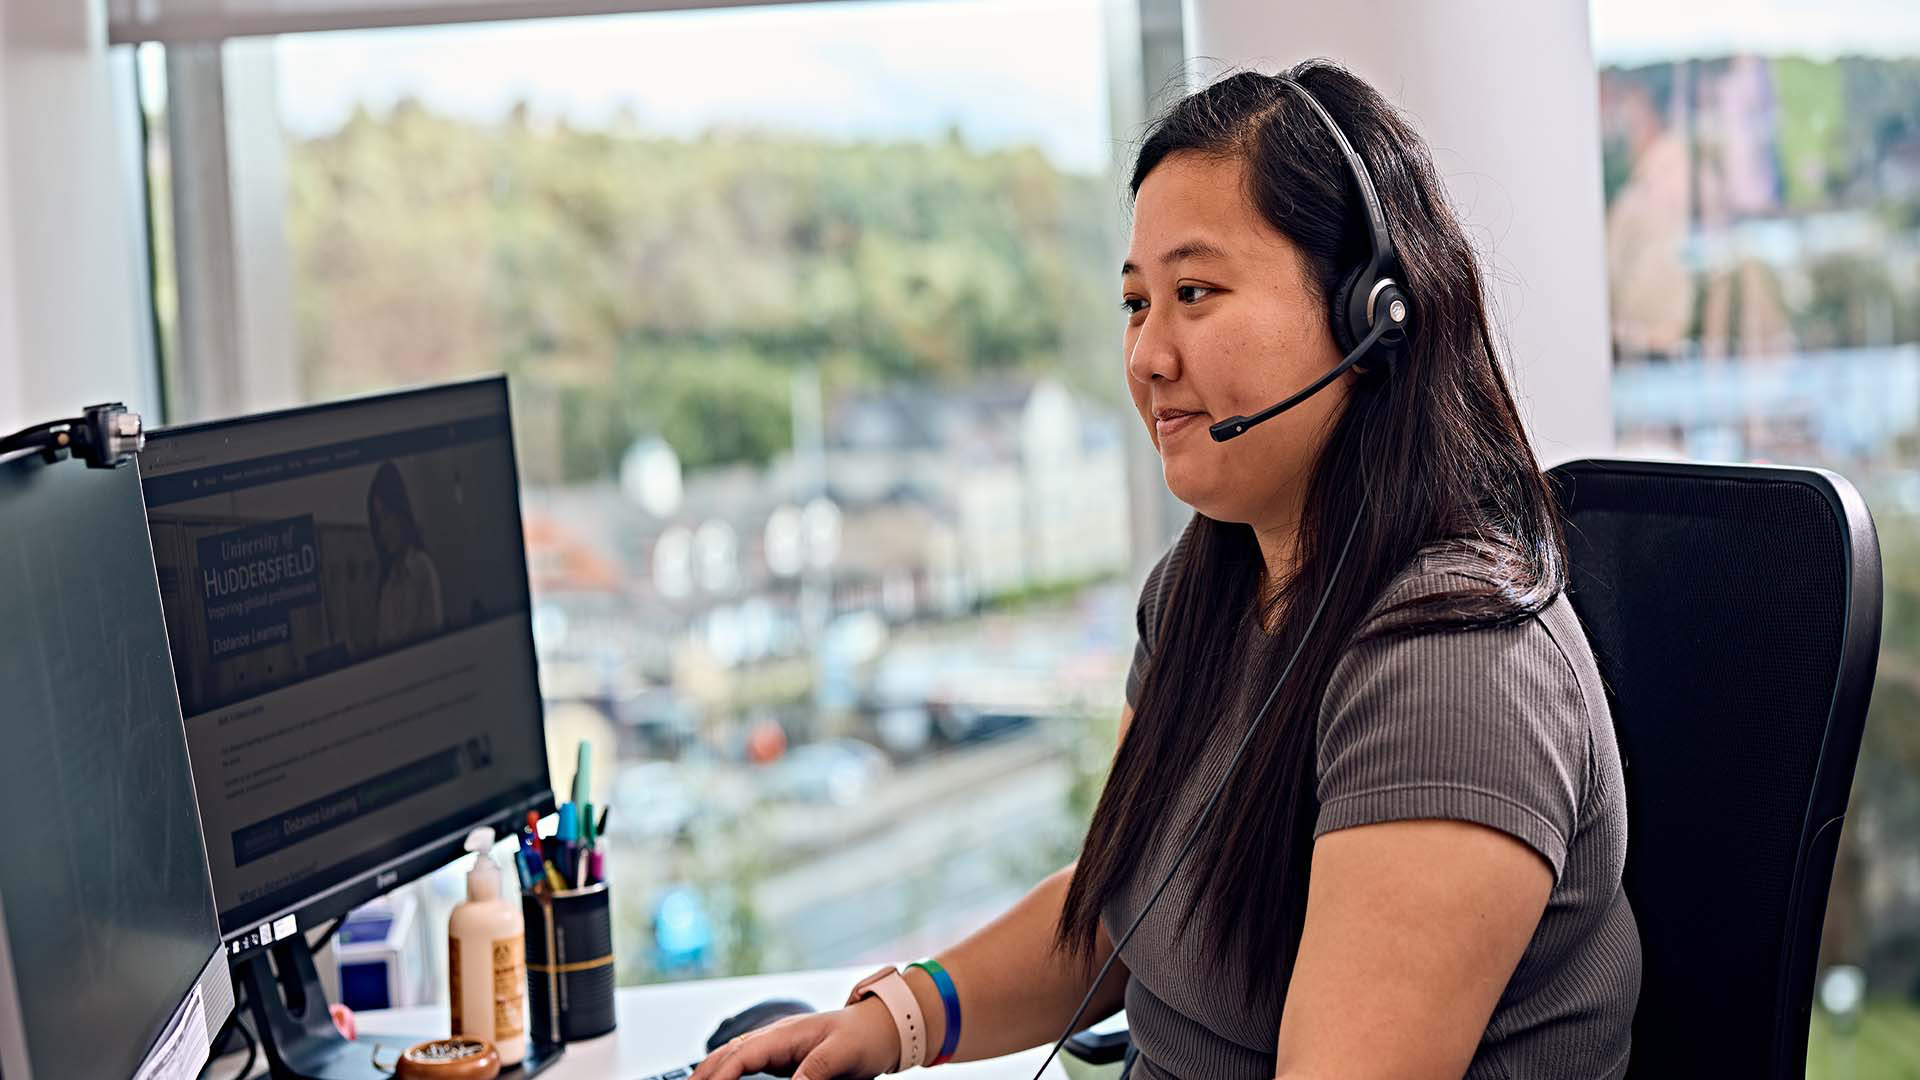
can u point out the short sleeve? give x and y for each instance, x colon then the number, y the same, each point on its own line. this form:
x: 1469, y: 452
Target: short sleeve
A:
x: 1487, y: 726
x: 1137, y: 673
x: 1146, y: 617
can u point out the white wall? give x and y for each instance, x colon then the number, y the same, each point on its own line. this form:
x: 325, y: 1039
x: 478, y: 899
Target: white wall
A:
x: 1506, y: 93
x: 71, y: 320
x: 10, y: 384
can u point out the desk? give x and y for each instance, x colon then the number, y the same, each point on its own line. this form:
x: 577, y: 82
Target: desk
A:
x: 665, y: 1026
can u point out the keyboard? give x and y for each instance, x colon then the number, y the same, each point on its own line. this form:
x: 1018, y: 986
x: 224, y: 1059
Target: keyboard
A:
x: 688, y: 1071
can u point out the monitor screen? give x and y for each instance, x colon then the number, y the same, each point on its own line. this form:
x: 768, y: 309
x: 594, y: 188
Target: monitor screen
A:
x: 346, y: 598
x: 110, y: 949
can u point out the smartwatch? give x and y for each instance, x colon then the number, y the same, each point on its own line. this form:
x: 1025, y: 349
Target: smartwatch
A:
x: 893, y: 992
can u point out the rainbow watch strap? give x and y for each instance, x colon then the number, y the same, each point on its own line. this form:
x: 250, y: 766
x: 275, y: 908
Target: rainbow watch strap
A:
x: 950, y: 998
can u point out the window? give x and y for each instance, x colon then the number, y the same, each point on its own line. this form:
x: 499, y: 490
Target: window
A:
x: 809, y: 317
x: 1763, y: 246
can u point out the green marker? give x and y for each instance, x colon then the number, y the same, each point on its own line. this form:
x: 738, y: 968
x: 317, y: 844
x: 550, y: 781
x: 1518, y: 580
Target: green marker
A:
x: 582, y: 772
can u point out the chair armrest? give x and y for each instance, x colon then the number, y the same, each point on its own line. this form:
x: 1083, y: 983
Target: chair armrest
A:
x: 1099, y: 1047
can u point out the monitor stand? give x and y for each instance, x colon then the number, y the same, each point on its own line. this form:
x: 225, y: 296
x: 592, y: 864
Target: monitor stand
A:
x: 296, y: 1031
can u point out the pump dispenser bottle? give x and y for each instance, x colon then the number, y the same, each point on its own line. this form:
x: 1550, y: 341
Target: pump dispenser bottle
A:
x: 487, y: 958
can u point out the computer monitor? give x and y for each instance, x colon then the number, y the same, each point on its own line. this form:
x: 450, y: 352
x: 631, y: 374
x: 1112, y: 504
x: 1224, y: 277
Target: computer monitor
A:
x: 346, y: 596
x: 110, y: 951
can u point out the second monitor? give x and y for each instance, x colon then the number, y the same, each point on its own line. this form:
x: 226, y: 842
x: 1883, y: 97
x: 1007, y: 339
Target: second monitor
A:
x: 347, y: 606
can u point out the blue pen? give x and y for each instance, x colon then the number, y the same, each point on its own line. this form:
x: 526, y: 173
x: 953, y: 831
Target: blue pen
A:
x: 520, y: 868
x: 542, y: 870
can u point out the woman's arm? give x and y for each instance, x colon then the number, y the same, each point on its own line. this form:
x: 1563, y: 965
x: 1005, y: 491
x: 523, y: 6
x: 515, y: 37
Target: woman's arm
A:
x: 1413, y: 929
x: 1006, y: 1002
x: 1015, y: 990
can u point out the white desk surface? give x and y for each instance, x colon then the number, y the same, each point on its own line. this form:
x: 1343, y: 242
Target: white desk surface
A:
x: 665, y: 1026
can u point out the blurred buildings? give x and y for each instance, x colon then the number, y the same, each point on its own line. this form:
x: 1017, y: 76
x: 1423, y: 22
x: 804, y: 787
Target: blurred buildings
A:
x: 919, y: 505
x: 1762, y: 258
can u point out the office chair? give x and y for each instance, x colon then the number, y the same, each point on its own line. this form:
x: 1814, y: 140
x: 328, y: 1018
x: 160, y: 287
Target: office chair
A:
x: 1735, y: 613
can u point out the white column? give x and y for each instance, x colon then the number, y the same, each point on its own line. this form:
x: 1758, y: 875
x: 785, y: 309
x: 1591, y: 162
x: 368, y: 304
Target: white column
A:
x: 1506, y: 93
x: 71, y: 316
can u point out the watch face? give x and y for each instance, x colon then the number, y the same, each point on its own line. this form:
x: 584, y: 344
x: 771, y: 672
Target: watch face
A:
x: 860, y: 988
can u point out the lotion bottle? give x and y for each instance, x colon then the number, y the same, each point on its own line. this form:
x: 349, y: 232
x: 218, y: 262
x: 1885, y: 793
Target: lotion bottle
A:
x: 487, y: 958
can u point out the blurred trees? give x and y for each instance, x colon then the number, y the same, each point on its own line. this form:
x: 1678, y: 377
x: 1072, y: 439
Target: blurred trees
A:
x: 668, y: 285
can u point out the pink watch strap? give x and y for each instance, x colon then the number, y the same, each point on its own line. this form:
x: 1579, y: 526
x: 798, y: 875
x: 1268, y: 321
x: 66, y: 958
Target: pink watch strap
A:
x: 893, y: 992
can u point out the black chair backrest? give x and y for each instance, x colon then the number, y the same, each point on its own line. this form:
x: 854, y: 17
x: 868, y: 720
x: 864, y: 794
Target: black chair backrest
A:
x: 1735, y: 612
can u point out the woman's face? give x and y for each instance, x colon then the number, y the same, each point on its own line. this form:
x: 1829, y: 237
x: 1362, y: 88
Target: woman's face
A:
x: 1223, y: 321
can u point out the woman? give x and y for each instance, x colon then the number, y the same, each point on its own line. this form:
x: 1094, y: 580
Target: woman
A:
x: 409, y: 605
x: 1419, y: 854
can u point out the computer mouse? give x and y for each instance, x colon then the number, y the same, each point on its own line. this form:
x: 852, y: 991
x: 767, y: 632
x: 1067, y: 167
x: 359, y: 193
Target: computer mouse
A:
x: 747, y: 1019
x: 754, y: 1017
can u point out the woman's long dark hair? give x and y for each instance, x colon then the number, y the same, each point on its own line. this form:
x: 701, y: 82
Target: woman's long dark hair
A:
x: 1444, y: 459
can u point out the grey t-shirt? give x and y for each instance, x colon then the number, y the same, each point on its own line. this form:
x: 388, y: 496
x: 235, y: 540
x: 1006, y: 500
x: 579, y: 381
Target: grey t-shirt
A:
x: 1504, y: 727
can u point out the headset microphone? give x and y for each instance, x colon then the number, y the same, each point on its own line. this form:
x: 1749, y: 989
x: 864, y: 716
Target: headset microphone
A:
x: 1370, y: 313
x: 1396, y: 317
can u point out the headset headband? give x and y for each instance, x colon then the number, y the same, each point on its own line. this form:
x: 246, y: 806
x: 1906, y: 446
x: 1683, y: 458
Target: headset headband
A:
x: 1383, y: 253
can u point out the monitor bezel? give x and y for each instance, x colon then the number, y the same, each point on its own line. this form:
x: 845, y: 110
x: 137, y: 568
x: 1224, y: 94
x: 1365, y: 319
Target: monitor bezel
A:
x: 245, y: 928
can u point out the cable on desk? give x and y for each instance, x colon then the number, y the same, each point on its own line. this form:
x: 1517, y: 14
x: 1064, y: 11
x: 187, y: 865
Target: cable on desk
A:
x: 253, y: 1048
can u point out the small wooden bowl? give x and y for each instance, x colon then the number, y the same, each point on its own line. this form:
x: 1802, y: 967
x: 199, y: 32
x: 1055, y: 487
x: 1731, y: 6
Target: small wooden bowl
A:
x: 458, y: 1058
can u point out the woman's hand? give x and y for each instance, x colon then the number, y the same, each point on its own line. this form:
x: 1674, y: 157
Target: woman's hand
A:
x: 857, y: 1042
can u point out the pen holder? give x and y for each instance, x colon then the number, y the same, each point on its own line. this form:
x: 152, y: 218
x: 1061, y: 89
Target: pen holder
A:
x: 569, y: 963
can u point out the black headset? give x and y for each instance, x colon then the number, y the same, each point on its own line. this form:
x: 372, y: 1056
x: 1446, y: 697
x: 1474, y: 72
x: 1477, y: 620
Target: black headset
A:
x: 1371, y: 321
x: 1371, y: 316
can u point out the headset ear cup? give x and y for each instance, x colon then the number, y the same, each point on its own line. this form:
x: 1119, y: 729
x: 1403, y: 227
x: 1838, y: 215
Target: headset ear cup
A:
x: 1345, y: 334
